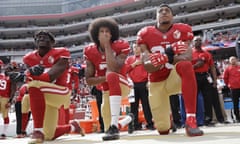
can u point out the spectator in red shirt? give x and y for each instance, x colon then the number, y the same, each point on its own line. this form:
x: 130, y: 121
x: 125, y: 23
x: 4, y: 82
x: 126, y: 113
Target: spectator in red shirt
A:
x: 231, y: 76
x: 206, y: 76
x: 139, y: 77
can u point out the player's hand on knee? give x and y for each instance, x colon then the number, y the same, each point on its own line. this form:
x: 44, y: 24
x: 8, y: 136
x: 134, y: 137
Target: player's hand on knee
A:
x: 16, y: 76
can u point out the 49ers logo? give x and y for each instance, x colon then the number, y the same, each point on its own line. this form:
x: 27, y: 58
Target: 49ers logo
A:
x: 50, y: 59
x: 177, y: 34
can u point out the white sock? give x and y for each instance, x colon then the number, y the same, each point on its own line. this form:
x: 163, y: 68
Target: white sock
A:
x: 39, y: 129
x: 5, y: 127
x: 126, y: 120
x: 115, y: 103
x: 191, y: 114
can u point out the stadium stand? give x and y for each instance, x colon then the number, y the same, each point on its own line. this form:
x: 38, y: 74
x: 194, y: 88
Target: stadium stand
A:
x: 70, y: 24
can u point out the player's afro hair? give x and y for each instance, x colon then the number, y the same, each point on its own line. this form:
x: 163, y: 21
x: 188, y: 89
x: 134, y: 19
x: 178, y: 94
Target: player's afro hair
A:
x: 103, y: 22
x: 44, y: 32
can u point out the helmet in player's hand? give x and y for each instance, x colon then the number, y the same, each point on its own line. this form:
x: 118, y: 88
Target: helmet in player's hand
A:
x: 16, y: 76
x: 36, y: 70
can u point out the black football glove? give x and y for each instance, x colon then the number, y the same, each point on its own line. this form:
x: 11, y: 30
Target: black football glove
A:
x: 16, y: 76
x: 36, y: 70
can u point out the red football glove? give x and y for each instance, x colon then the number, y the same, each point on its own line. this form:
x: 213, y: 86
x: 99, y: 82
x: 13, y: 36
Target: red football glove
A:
x: 179, y: 47
x: 158, y: 59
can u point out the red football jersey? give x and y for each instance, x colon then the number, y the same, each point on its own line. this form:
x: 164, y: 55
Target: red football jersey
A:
x: 33, y: 58
x: 157, y: 41
x: 5, y: 86
x: 74, y: 71
x: 92, y: 54
x: 138, y: 73
x: 204, y: 55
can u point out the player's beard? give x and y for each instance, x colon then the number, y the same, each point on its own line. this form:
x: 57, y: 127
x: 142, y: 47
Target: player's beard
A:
x: 43, y: 47
x: 165, y: 22
x: 43, y: 50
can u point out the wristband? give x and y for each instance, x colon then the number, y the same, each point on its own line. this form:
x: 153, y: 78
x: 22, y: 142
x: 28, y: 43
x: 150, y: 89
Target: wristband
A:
x: 170, y: 54
x: 43, y: 77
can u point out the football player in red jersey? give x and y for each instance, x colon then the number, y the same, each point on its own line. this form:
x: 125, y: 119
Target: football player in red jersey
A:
x: 74, y: 81
x: 73, y: 86
x: 166, y: 55
x: 105, y: 66
x: 22, y: 110
x: 7, y: 91
x: 48, y: 81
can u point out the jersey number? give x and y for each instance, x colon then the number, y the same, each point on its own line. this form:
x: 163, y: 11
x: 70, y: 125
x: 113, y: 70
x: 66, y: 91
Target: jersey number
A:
x: 3, y: 84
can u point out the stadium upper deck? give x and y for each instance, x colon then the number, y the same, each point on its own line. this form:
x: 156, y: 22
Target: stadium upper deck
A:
x: 70, y: 28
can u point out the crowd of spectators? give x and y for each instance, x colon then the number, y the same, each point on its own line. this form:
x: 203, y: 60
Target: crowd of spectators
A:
x: 222, y: 38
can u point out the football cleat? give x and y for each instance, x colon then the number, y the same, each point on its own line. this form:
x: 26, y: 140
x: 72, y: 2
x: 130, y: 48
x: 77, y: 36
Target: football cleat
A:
x: 191, y: 127
x: 111, y: 134
x: 37, y: 137
x: 3, y: 136
x: 77, y: 127
x: 131, y: 124
x: 163, y: 132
